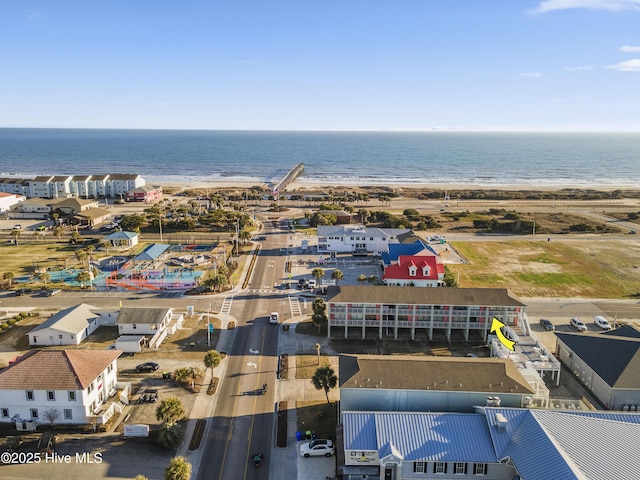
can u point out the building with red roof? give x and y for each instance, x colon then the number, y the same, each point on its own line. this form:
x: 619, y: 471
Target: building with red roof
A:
x: 421, y: 270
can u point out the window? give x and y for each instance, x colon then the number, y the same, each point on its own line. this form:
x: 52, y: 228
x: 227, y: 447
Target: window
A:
x: 60, y: 337
x: 68, y: 414
x: 51, y: 395
x: 110, y: 368
x: 34, y: 413
x: 29, y: 395
x: 418, y: 467
x: 479, y: 468
x: 135, y: 326
x: 459, y: 468
x: 5, y: 413
x: 90, y: 388
x: 72, y: 396
x: 440, y: 467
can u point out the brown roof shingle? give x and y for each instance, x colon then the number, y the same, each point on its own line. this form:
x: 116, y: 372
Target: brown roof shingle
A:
x: 56, y: 369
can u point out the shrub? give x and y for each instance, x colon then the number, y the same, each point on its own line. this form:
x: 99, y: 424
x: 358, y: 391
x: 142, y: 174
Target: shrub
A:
x: 3, y: 326
x: 17, y: 318
x: 23, y: 315
x: 11, y: 322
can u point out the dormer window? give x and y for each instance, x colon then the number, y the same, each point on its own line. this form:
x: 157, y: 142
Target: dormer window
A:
x: 412, y: 271
x: 425, y: 271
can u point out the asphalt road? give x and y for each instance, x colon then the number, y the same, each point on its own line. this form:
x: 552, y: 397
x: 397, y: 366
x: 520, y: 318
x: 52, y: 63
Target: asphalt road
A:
x: 244, y: 420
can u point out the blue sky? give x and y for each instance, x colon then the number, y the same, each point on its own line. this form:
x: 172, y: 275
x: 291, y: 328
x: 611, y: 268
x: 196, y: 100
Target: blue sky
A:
x: 539, y: 65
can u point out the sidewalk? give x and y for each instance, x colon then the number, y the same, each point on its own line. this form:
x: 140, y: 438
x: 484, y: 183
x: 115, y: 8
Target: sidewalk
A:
x: 205, y: 405
x: 286, y: 461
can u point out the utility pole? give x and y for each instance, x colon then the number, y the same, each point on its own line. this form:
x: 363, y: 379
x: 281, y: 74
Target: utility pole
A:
x: 209, y: 325
x: 160, y: 223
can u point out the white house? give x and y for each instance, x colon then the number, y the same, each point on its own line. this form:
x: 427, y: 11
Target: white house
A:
x: 8, y: 200
x: 154, y: 323
x: 70, y: 326
x: 357, y: 238
x: 123, y: 240
x: 68, y: 386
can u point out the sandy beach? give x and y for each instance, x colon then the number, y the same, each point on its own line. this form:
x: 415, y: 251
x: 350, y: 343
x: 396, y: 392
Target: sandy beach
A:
x: 302, y: 185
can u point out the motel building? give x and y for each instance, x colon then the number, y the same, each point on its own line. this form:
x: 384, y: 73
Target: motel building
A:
x: 385, y: 311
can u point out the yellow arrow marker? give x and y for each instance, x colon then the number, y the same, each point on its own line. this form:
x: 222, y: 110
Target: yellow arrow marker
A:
x: 496, y: 326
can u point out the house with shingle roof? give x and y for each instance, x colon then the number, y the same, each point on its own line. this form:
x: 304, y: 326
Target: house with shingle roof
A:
x: 152, y: 323
x: 70, y: 326
x: 608, y: 364
x: 437, y: 384
x: 75, y: 384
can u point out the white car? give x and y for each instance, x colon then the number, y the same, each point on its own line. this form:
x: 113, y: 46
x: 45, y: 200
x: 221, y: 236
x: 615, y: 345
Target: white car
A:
x: 317, y: 448
x: 601, y: 322
x: 273, y: 318
x: 578, y: 324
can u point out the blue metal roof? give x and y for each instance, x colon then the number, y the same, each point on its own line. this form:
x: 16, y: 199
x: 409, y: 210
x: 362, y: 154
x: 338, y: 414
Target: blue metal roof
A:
x: 567, y: 444
x: 461, y: 437
x: 397, y: 249
x: 152, y: 252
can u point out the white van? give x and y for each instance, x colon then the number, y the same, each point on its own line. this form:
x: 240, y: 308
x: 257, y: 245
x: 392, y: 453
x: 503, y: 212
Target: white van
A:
x: 274, y: 317
x: 311, y: 284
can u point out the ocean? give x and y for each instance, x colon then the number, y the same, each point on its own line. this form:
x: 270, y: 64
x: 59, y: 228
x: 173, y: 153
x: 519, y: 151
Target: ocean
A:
x: 589, y: 160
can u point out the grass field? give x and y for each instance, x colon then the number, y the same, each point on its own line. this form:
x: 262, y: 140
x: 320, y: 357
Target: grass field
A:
x: 582, y: 268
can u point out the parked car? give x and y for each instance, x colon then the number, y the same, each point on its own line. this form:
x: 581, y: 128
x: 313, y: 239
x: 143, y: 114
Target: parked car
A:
x: 51, y: 292
x: 317, y: 448
x: 23, y: 291
x: 17, y: 227
x: 578, y: 324
x: 274, y: 317
x: 147, y: 367
x: 602, y: 322
x: 547, y: 325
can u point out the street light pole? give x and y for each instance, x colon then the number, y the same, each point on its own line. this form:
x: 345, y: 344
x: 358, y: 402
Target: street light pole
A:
x: 209, y: 325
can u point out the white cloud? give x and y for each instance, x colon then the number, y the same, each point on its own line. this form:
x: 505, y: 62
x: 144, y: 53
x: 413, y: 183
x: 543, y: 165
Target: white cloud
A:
x: 611, y: 5
x: 627, y: 66
x: 579, y: 68
x: 531, y: 75
x: 629, y: 49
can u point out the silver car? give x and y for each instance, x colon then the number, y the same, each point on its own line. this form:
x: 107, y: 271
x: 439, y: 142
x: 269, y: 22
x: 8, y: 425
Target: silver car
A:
x: 317, y: 448
x: 578, y: 324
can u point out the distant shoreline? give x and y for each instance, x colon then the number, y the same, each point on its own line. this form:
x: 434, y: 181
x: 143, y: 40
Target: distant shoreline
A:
x: 301, y: 185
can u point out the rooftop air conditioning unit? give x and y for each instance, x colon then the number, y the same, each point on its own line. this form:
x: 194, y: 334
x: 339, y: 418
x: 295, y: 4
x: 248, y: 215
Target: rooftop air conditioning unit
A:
x: 501, y: 422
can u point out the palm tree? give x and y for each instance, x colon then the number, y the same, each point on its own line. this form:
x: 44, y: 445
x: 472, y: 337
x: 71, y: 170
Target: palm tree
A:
x: 8, y: 276
x: 58, y: 231
x: 318, y: 273
x: 244, y: 235
x: 75, y: 236
x: 83, y: 277
x: 324, y: 379
x: 170, y: 410
x: 171, y: 435
x: 337, y: 275
x: 45, y: 277
x: 362, y: 278
x: 178, y: 469
x: 81, y: 255
x: 16, y: 234
x: 212, y: 359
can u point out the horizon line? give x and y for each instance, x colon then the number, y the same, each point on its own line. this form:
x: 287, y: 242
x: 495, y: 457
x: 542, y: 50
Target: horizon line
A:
x: 293, y: 130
